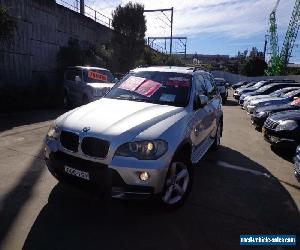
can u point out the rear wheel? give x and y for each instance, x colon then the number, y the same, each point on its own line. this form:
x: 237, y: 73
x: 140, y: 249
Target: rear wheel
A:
x: 178, y: 182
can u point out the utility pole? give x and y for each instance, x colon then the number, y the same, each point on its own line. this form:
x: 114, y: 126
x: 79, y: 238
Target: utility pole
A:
x: 171, y: 23
x: 171, y: 41
x: 82, y: 7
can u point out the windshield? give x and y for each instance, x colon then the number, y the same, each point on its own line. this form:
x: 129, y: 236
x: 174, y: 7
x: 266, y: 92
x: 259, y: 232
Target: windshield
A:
x: 262, y: 89
x: 155, y: 87
x: 277, y: 93
x: 292, y: 93
x: 250, y: 84
x: 97, y: 75
x: 259, y: 84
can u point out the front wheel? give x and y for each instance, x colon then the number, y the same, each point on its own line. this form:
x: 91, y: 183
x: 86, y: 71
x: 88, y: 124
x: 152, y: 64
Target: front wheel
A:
x: 217, y: 140
x: 178, y: 183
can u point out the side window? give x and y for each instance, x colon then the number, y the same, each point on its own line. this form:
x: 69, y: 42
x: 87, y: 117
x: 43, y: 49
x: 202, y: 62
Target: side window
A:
x: 210, y: 85
x: 200, y: 84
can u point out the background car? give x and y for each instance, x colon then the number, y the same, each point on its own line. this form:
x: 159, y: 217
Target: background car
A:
x: 237, y: 94
x: 86, y: 84
x: 267, y: 89
x: 277, y: 93
x: 283, y: 129
x: 285, y: 99
x: 260, y: 115
x: 222, y: 87
x: 239, y: 84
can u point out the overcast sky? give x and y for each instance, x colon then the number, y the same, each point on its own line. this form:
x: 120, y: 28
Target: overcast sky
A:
x: 213, y: 26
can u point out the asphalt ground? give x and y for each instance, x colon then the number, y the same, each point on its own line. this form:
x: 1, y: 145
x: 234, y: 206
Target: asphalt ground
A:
x: 243, y: 188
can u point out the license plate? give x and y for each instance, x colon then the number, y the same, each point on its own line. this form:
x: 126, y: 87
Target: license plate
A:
x: 77, y: 173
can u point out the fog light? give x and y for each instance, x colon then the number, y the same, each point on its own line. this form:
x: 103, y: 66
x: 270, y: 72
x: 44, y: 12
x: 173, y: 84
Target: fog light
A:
x: 144, y: 176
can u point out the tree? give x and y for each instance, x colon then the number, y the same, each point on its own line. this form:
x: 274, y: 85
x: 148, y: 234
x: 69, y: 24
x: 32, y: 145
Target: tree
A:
x: 7, y: 24
x: 128, y: 42
x: 254, y: 67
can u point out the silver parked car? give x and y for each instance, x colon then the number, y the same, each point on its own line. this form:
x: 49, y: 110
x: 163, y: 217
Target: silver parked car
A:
x: 143, y: 137
x: 86, y: 84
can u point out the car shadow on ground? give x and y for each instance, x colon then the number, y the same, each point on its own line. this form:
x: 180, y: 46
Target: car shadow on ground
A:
x: 284, y: 153
x: 230, y: 102
x: 225, y: 202
x: 11, y: 120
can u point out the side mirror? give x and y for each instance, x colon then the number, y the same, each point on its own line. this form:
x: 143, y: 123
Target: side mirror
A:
x: 227, y: 84
x: 77, y: 79
x: 200, y: 101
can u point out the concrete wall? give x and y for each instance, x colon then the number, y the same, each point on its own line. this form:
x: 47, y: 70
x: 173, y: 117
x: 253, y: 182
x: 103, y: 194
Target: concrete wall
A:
x: 42, y: 28
x: 234, y: 78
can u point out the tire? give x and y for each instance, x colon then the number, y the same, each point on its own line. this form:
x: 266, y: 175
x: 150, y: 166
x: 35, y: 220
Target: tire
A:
x: 178, y: 182
x: 217, y: 140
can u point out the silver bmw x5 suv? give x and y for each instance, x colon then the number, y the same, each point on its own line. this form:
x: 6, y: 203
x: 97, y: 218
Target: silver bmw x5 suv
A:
x: 143, y: 137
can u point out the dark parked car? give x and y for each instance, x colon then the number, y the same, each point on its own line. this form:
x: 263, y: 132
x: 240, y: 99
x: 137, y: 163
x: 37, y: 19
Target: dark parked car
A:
x: 237, y: 94
x: 268, y: 89
x: 223, y: 88
x: 283, y: 129
x: 297, y: 164
x: 239, y: 84
x: 261, y: 114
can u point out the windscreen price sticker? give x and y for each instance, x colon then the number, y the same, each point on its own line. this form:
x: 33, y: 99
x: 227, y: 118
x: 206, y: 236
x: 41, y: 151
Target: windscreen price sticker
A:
x: 178, y: 82
x: 97, y: 76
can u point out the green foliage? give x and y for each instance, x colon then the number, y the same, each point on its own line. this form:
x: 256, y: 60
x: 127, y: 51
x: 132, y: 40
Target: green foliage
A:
x: 276, y: 67
x: 80, y: 54
x: 7, y: 24
x: 254, y: 67
x: 154, y: 58
x: 128, y: 42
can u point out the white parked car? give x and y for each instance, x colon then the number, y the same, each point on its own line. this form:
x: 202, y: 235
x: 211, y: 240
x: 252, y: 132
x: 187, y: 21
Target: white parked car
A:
x: 86, y: 84
x: 143, y: 137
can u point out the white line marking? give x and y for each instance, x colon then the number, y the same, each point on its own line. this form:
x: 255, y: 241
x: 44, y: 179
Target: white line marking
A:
x: 252, y: 171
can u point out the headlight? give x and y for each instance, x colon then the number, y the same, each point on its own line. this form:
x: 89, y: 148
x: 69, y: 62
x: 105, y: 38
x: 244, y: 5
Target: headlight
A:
x: 54, y: 131
x: 143, y: 150
x: 287, y: 125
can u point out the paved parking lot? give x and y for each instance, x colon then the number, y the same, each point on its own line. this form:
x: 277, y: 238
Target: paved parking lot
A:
x: 244, y: 188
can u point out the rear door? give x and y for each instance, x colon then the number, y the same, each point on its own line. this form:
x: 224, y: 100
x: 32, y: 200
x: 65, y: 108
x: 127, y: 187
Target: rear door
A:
x: 213, y: 104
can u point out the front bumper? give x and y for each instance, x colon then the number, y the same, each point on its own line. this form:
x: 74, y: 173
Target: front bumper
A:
x: 120, y: 177
x: 280, y: 142
x: 250, y: 109
x: 258, y: 121
x: 236, y: 96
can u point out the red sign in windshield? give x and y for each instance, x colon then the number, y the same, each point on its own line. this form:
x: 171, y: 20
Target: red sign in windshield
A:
x: 140, y: 86
x: 97, y: 76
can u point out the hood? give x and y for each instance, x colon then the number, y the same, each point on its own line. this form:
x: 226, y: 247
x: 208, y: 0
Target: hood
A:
x: 267, y: 99
x: 111, y: 117
x: 287, y: 115
x: 276, y: 108
x: 100, y: 85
